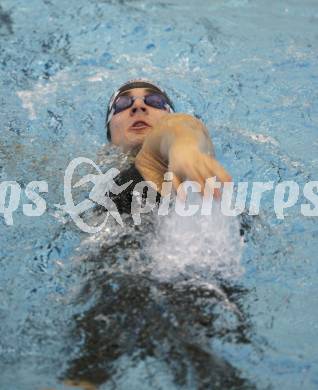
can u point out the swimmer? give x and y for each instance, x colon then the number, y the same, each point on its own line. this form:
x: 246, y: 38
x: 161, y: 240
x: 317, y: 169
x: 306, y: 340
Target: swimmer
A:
x: 141, y: 119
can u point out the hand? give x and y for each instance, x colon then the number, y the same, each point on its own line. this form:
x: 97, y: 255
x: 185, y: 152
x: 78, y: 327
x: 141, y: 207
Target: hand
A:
x: 176, y: 145
x: 151, y: 165
x: 187, y: 162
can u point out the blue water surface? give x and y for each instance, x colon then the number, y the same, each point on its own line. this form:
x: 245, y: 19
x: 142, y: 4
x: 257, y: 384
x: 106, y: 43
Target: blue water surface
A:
x: 249, y: 70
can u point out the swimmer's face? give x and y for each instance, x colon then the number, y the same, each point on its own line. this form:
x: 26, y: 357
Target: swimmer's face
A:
x: 128, y: 128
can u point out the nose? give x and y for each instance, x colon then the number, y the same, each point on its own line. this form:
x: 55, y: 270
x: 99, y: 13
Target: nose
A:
x: 139, y: 105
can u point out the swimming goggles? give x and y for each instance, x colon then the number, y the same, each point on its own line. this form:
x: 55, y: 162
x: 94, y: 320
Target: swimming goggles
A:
x: 124, y: 102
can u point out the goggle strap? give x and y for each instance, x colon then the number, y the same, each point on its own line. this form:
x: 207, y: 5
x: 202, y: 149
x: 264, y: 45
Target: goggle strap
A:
x: 167, y: 106
x: 110, y: 115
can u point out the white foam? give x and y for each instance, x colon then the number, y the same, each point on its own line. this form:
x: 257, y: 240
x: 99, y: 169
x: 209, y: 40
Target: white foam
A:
x: 197, y: 247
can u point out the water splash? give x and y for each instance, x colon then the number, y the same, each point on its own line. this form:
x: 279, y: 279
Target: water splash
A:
x: 199, y: 247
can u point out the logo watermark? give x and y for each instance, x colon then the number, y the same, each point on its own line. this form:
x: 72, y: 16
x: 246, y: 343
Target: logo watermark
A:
x: 233, y: 197
x: 103, y: 184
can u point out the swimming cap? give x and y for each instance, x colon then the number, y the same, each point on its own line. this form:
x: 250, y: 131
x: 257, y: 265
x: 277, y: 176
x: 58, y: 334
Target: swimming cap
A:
x: 131, y: 84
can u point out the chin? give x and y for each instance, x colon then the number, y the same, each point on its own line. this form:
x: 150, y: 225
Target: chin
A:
x: 133, y: 146
x: 134, y: 141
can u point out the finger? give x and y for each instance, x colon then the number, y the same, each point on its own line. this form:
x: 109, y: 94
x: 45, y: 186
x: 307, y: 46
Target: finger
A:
x: 210, y: 188
x: 192, y: 172
x: 209, y: 185
x: 176, y: 182
x: 181, y: 193
x: 200, y: 177
x: 217, y: 193
x: 179, y: 188
x: 217, y: 170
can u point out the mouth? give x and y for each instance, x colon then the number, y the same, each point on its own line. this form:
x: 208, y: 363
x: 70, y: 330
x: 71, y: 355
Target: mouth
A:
x: 139, y: 125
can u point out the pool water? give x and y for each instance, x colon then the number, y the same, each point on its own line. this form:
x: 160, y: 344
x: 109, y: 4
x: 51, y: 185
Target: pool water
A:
x: 104, y: 309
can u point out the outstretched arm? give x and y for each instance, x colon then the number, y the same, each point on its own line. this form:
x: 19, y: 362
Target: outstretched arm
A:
x: 179, y: 143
